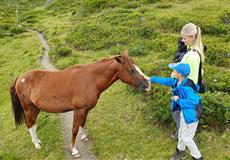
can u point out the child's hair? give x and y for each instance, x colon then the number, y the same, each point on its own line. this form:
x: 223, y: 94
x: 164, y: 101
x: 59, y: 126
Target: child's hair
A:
x: 191, y: 29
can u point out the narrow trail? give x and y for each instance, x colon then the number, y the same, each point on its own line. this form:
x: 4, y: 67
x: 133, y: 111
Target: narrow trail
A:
x: 66, y: 118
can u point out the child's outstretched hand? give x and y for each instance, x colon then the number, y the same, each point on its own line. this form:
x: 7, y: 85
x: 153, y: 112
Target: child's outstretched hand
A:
x: 175, y: 98
x: 147, y: 77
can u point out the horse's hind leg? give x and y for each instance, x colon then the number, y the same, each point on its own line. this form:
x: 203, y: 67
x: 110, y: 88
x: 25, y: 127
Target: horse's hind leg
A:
x: 31, y: 113
x: 35, y: 112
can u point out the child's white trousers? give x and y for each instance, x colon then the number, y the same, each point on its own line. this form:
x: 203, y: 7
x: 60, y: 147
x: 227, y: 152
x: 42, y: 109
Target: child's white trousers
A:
x: 186, y: 135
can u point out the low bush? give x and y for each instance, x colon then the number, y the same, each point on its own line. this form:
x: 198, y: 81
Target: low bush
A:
x: 215, y: 29
x: 90, y: 6
x: 110, y: 32
x: 138, y: 50
x: 159, y: 98
x: 225, y: 17
x: 217, y: 53
x: 150, y: 1
x: 66, y: 62
x: 132, y: 5
x: 175, y: 24
x: 211, y: 27
x: 62, y: 50
x: 17, y: 30
x: 93, y: 5
x: 216, y: 112
x: 145, y: 31
x: 10, y: 30
x: 164, y: 6
x: 159, y: 104
x: 171, y: 24
x: 90, y: 35
x: 217, y: 79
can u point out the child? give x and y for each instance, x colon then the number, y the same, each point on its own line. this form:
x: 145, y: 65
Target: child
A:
x: 186, y: 98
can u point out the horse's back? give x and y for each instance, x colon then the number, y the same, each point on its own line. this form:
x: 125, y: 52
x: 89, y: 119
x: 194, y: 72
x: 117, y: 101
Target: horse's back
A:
x: 31, y: 78
x: 52, y: 91
x: 39, y: 85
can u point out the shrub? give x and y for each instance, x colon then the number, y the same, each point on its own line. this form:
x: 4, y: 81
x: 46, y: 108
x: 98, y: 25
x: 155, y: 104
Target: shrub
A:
x: 31, y: 21
x: 145, y: 31
x: 164, y: 6
x: 90, y: 35
x: 217, y: 79
x: 62, y: 50
x: 159, y: 98
x: 123, y: 17
x: 131, y: 5
x: 17, y: 30
x: 10, y: 30
x: 150, y: 1
x: 216, y: 113
x: 158, y: 109
x: 90, y: 6
x: 157, y: 44
x: 215, y: 29
x: 5, y: 27
x: 66, y: 62
x: 138, y: 50
x: 217, y: 53
x: 171, y: 24
x: 225, y: 17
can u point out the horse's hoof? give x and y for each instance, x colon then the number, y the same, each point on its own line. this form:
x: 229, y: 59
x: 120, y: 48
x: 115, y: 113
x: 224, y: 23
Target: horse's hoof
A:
x: 38, y: 146
x: 39, y: 141
x: 76, y: 155
x: 84, y: 138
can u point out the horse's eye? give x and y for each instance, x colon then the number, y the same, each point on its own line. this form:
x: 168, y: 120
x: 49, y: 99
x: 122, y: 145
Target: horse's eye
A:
x: 133, y: 71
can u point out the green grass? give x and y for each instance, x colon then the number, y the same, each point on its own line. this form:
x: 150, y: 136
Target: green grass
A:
x: 119, y: 131
x: 121, y: 126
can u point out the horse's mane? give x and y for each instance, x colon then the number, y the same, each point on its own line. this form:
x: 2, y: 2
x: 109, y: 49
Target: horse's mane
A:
x: 89, y: 64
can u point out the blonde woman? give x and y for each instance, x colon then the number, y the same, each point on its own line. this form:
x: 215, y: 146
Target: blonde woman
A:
x: 191, y: 36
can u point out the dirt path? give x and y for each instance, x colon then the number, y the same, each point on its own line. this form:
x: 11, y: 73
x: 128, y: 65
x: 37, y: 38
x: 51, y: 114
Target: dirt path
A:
x: 66, y: 118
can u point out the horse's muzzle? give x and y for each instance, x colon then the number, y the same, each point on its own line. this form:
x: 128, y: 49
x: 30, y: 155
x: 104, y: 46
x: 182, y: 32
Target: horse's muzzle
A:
x: 149, y: 86
x: 145, y: 86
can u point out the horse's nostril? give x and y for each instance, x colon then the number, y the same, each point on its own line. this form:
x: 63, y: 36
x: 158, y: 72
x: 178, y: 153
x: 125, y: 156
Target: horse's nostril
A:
x: 145, y: 85
x: 148, y: 86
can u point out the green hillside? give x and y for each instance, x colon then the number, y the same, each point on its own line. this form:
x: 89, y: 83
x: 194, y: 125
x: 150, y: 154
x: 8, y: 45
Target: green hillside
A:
x: 125, y: 124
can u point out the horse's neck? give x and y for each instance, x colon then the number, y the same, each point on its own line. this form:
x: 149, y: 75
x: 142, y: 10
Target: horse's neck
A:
x: 107, y: 74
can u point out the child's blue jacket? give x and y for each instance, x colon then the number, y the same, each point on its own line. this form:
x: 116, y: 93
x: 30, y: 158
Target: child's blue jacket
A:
x: 188, y: 98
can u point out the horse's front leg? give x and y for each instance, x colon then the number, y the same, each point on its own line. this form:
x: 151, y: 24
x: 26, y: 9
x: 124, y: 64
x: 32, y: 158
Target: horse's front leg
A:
x: 77, y: 119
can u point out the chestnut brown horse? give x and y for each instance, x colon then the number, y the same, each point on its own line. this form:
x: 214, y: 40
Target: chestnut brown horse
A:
x: 76, y: 88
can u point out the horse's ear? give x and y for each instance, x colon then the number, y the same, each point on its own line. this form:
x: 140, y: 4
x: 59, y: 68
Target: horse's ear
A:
x: 118, y: 59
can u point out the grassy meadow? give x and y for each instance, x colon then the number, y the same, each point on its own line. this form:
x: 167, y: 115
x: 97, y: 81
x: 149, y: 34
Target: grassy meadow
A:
x: 125, y: 124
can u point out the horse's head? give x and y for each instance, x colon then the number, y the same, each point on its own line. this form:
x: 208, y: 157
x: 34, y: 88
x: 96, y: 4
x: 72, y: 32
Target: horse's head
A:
x: 131, y: 74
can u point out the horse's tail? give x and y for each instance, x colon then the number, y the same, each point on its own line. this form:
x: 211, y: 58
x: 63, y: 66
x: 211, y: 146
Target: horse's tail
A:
x: 16, y: 106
